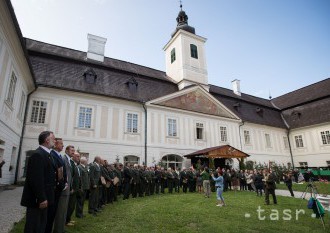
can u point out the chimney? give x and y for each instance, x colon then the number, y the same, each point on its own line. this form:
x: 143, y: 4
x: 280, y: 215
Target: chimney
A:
x: 96, y: 46
x: 236, y: 87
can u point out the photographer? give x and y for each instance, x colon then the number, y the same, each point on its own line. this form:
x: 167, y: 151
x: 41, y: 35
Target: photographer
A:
x: 219, y: 187
x: 270, y: 186
x: 287, y: 177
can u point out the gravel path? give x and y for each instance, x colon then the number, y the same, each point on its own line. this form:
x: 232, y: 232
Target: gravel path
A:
x: 10, y: 209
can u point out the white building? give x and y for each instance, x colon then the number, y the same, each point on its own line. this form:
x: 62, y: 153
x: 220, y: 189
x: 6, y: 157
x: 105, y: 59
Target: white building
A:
x: 16, y: 83
x: 127, y: 112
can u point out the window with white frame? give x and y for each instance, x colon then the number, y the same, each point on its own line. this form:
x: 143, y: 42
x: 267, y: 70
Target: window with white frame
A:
x: 247, y: 138
x: 85, y: 117
x: 286, y: 142
x: 325, y: 137
x: 11, y: 89
x: 223, y: 133
x: 299, y: 141
x: 21, y: 106
x: 172, y: 127
x: 38, y: 112
x: 328, y: 163
x: 199, y: 130
x: 132, y: 123
x: 268, y: 141
x: 303, y: 164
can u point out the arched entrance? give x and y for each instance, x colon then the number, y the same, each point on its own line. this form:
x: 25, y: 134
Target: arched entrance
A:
x: 172, y: 160
x: 132, y: 159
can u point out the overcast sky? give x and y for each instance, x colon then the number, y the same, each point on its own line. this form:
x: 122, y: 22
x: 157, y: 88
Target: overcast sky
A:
x: 274, y: 46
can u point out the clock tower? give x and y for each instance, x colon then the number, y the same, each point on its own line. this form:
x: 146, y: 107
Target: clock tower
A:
x: 185, y: 55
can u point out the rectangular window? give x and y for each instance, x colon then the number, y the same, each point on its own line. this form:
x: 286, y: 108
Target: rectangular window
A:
x: 299, y: 141
x: 199, y: 130
x: 85, y: 118
x: 171, y: 127
x: 193, y: 51
x: 13, y: 158
x: 247, y: 138
x: 11, y: 89
x: 173, y: 55
x: 223, y: 134
x: 21, y: 107
x: 328, y: 163
x: 286, y: 142
x: 303, y: 164
x: 325, y: 137
x: 268, y: 142
x: 132, y: 123
x: 38, y: 113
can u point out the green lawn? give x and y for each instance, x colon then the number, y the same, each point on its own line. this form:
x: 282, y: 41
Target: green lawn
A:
x: 321, y: 187
x: 194, y: 213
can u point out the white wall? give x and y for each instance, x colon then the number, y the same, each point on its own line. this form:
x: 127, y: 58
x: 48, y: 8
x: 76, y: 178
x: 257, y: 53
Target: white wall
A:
x: 314, y: 152
x: 257, y: 148
x: 107, y: 136
x: 12, y: 59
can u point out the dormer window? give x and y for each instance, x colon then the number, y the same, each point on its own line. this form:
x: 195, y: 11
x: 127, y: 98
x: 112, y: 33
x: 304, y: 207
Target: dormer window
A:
x: 236, y: 105
x: 90, y: 76
x: 260, y: 111
x: 193, y: 51
x: 295, y: 115
x: 132, y: 84
x: 173, y: 55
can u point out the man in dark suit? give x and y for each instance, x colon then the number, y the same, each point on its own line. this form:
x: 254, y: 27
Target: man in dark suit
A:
x: 81, y: 196
x: 127, y: 181
x: 60, y: 182
x: 270, y: 186
x: 62, y: 208
x: 184, y: 180
x: 39, y: 188
x: 76, y: 183
x: 94, y: 179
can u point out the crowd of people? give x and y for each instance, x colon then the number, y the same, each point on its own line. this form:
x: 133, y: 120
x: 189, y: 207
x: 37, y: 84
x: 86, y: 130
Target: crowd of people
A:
x: 57, y: 184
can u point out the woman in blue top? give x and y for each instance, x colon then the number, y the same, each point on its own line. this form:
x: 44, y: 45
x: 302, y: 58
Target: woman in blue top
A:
x: 219, y: 187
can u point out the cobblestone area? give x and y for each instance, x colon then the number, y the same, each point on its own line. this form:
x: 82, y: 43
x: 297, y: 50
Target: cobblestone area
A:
x: 10, y: 209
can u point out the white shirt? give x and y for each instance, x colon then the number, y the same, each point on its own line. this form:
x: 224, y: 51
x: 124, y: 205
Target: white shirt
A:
x: 45, y: 148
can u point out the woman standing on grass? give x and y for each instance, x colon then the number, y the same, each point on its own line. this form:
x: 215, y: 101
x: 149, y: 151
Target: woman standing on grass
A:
x: 219, y: 188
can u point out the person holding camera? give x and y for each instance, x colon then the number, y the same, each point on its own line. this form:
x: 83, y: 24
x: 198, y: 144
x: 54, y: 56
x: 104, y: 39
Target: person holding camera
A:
x: 270, y: 186
x: 219, y: 187
x: 288, y: 181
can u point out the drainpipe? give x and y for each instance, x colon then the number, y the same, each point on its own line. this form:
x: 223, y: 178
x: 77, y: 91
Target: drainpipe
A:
x: 240, y: 139
x: 23, y: 131
x: 145, y: 133
x: 288, y: 134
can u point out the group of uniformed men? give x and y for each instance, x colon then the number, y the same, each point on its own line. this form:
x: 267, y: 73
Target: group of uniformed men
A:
x: 57, y: 184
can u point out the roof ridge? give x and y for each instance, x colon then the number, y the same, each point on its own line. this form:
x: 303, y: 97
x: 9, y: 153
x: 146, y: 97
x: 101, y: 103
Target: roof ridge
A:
x: 241, y: 93
x: 79, y: 51
x: 299, y: 89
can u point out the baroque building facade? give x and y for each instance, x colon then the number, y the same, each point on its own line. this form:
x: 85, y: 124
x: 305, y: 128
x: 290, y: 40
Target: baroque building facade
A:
x: 126, y: 112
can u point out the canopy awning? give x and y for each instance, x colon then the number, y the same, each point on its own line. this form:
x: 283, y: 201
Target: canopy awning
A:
x: 225, y: 151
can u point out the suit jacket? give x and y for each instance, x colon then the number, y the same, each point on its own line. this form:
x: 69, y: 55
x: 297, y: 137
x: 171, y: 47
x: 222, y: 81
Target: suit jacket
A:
x: 59, y: 166
x: 76, y: 182
x: 67, y: 166
x: 84, y: 177
x: 94, y: 174
x: 40, y: 180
